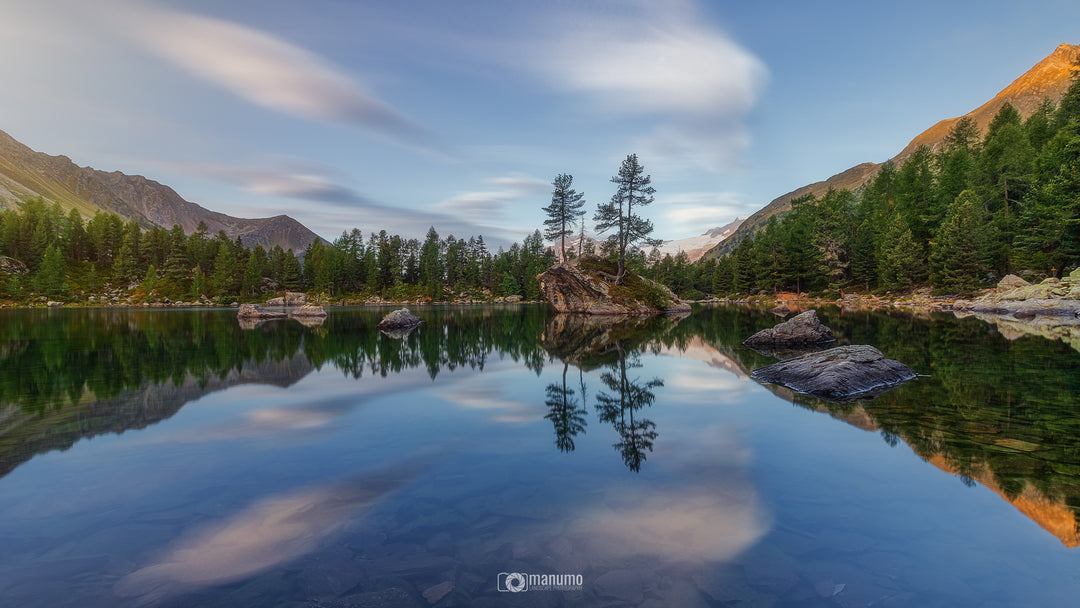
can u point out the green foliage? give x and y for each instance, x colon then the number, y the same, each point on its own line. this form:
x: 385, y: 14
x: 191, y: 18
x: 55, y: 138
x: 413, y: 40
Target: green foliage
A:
x: 51, y: 275
x: 634, y: 190
x: 960, y: 253
x: 564, y: 212
x: 979, y: 207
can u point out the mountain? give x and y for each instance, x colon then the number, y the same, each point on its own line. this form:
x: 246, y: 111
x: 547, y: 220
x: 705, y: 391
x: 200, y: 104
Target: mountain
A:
x: 1048, y: 79
x: 696, y: 246
x: 25, y: 174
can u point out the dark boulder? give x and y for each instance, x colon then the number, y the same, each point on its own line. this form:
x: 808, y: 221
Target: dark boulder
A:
x: 803, y: 328
x: 845, y: 373
x: 399, y: 319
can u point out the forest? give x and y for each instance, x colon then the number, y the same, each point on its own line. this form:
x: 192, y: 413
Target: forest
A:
x: 67, y: 257
x: 955, y: 220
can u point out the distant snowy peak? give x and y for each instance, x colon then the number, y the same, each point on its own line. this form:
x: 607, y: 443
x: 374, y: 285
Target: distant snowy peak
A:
x: 696, y: 246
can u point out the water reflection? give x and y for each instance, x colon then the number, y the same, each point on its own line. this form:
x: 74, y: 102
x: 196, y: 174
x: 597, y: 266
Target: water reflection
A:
x: 621, y: 408
x: 996, y: 410
x: 565, y: 411
x: 261, y: 536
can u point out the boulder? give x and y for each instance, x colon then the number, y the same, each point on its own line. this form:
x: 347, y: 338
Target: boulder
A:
x: 52, y: 304
x: 12, y: 266
x: 254, y: 311
x: 399, y: 319
x: 308, y: 310
x: 571, y: 290
x: 278, y: 301
x: 1010, y: 282
x: 845, y: 373
x: 804, y: 328
x: 295, y: 298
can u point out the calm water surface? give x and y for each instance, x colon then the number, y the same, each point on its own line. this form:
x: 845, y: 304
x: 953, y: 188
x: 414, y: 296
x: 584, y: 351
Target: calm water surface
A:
x: 175, y: 458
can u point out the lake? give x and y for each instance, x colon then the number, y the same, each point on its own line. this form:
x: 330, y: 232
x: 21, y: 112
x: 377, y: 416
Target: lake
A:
x: 508, y: 456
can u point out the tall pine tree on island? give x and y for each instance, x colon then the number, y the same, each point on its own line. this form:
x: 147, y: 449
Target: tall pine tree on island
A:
x: 635, y: 189
x: 563, y: 212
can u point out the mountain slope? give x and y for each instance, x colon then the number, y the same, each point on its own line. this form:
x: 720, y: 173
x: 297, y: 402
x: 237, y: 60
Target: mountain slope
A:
x: 696, y: 246
x: 1048, y: 79
x: 25, y: 173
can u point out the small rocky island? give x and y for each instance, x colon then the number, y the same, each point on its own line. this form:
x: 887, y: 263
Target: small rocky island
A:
x: 845, y: 373
x: 398, y: 320
x: 802, y: 329
x: 588, y: 286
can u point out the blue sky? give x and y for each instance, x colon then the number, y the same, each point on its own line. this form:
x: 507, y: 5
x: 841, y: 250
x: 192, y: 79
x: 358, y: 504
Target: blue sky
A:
x: 402, y: 115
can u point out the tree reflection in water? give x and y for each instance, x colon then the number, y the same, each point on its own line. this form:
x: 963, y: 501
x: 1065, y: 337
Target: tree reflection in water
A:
x: 620, y: 409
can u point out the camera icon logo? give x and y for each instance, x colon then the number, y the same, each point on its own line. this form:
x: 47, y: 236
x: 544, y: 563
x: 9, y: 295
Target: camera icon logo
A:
x: 513, y: 582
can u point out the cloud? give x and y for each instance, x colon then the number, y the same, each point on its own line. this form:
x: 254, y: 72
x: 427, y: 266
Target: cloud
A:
x: 301, y: 181
x: 268, y: 71
x: 663, y: 62
x: 690, y: 213
x: 488, y: 203
x: 653, y: 58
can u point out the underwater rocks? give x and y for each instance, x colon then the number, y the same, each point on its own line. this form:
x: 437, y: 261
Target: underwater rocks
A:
x: 254, y: 311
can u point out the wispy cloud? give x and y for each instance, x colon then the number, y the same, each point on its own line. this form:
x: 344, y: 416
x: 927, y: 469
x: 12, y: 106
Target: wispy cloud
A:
x: 299, y: 180
x: 691, y: 213
x: 651, y: 57
x: 269, y: 71
x: 492, y: 202
x: 662, y: 61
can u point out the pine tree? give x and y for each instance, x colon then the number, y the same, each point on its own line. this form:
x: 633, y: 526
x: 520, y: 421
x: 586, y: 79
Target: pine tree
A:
x: 564, y: 211
x: 634, y: 189
x: 959, y: 254
x: 51, y: 273
x: 198, y: 283
x: 900, y: 261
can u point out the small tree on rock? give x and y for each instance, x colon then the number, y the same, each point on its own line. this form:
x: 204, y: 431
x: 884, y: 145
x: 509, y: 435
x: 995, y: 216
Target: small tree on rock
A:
x: 634, y: 189
x: 564, y: 211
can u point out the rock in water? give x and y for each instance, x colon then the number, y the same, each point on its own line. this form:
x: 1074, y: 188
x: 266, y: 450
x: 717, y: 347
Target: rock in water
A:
x: 278, y: 301
x: 804, y: 328
x: 295, y: 298
x: 254, y: 311
x: 845, y: 373
x: 399, y: 319
x: 569, y: 289
x: 308, y: 310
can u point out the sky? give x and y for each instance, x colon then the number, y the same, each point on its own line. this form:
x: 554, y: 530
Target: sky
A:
x: 459, y: 114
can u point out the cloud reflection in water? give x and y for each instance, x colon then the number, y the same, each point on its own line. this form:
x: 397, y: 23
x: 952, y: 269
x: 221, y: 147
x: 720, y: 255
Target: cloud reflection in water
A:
x: 263, y: 535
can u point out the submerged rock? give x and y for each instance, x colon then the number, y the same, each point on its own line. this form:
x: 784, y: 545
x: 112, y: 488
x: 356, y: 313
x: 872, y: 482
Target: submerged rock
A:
x: 254, y: 311
x: 398, y: 320
x: 804, y: 328
x: 308, y: 310
x: 572, y: 290
x: 844, y: 373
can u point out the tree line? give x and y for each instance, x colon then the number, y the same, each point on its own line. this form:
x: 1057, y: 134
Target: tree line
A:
x: 955, y: 219
x: 66, y: 255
